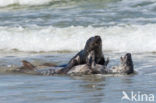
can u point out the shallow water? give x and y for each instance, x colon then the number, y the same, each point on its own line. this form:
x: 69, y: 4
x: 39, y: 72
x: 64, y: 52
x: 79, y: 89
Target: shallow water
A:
x: 22, y: 88
x: 54, y: 30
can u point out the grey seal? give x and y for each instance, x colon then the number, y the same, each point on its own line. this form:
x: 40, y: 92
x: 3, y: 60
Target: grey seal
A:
x: 125, y: 67
x: 93, y: 44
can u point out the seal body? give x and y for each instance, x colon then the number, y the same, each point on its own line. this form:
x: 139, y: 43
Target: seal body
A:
x: 125, y: 67
x: 90, y: 67
x: 92, y: 44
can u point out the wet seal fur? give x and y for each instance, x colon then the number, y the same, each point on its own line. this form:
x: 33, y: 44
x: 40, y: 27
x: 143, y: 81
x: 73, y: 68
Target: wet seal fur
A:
x: 92, y: 44
x: 125, y: 67
x: 90, y: 67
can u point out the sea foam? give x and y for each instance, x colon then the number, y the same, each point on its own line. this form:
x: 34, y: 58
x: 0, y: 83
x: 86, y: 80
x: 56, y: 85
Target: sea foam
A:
x: 130, y: 38
x: 24, y: 2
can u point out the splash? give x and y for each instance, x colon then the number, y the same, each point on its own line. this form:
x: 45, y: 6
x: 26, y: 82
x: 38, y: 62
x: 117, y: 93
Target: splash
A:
x: 134, y: 38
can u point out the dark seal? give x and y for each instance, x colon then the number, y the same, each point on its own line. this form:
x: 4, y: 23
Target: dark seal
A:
x: 92, y: 44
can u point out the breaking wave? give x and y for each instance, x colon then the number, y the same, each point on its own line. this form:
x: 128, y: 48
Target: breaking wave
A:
x: 134, y: 38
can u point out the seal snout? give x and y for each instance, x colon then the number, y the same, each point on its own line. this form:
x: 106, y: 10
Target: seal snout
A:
x: 98, y: 39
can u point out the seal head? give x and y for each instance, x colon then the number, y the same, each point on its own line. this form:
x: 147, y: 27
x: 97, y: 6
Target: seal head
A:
x: 127, y: 63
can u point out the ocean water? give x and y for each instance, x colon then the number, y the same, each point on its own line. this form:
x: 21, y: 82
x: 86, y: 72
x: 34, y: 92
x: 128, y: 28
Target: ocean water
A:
x: 55, y: 30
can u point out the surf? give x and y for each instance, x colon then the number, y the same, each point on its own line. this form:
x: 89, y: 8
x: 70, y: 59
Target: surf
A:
x: 126, y: 38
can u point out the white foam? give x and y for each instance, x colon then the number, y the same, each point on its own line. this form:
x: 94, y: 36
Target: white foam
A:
x: 134, y: 38
x: 24, y: 2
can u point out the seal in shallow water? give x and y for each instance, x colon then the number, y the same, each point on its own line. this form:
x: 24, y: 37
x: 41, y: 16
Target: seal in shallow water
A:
x: 88, y: 68
x: 125, y: 67
x: 92, y: 44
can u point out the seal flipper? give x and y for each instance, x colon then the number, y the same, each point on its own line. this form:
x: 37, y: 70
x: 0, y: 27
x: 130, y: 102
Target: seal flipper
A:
x: 91, y: 59
x: 107, y: 61
x: 68, y: 67
x: 91, y: 62
x: 28, y: 65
